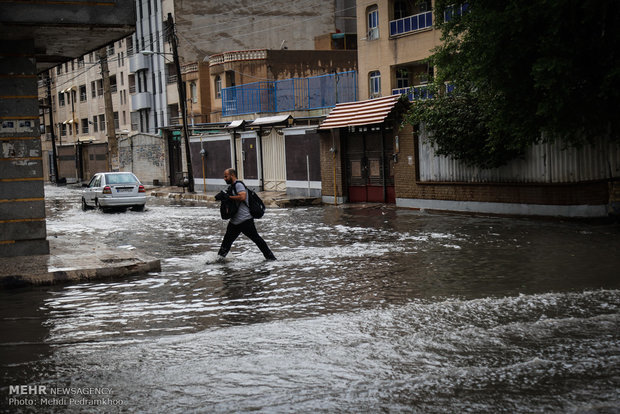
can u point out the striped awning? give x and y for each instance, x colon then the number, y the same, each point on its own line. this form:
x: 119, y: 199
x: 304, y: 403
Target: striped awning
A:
x: 372, y: 111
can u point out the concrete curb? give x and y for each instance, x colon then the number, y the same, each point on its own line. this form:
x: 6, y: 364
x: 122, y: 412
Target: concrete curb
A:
x: 76, y: 266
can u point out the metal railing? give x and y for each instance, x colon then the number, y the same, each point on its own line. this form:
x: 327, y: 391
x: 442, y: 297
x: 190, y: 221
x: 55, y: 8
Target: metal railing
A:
x: 414, y: 93
x: 411, y: 23
x: 296, y: 94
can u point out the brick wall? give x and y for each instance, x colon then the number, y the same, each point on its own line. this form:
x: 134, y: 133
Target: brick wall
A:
x: 588, y: 193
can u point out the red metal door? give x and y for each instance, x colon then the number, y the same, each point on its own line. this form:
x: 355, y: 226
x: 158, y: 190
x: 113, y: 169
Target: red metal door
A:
x: 370, y: 170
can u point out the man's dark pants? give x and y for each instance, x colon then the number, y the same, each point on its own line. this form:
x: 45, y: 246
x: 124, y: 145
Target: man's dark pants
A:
x: 248, y: 229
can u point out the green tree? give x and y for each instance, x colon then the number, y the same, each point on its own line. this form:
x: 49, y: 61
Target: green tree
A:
x: 523, y: 71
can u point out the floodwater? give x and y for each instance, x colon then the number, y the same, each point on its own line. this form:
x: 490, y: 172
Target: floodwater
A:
x: 368, y: 309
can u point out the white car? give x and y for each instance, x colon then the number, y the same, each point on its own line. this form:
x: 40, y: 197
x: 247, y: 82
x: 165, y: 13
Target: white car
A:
x: 114, y: 190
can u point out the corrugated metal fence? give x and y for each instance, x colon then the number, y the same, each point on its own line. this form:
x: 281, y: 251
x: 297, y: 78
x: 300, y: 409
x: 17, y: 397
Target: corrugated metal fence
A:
x: 294, y: 94
x: 543, y: 163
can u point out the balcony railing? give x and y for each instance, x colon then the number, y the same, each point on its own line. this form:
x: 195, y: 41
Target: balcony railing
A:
x: 237, y: 55
x: 414, y: 93
x: 295, y: 94
x: 411, y: 23
x: 190, y: 67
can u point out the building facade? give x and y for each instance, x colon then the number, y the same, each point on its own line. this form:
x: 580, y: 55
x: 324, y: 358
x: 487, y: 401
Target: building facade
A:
x: 394, y: 39
x: 365, y: 158
x: 78, y: 118
x: 268, y: 127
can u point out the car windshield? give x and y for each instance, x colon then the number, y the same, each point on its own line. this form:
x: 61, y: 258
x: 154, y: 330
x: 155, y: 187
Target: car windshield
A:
x: 121, y: 179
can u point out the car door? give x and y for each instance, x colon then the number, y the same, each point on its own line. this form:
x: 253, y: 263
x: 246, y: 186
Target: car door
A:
x: 91, y: 189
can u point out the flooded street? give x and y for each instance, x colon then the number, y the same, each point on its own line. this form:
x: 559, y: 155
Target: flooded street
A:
x: 370, y: 309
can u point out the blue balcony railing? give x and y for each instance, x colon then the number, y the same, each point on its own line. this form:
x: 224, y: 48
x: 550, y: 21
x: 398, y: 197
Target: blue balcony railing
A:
x: 411, y: 23
x: 296, y: 94
x: 414, y: 93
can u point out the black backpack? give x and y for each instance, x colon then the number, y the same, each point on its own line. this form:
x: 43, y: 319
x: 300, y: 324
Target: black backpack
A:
x: 256, y: 205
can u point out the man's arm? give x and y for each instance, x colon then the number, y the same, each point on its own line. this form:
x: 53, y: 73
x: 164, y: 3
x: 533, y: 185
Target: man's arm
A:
x: 239, y: 197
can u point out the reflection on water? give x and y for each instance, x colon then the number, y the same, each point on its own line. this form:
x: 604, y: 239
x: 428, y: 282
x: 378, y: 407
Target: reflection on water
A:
x: 368, y: 309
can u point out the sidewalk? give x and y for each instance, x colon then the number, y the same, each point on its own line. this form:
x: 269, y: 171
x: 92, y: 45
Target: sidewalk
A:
x: 73, y: 262
x: 270, y: 198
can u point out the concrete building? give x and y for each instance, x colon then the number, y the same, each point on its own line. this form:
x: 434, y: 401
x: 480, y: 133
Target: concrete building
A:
x: 395, y: 37
x: 79, y: 111
x: 369, y: 155
x: 216, y: 27
x: 36, y: 37
x: 268, y: 126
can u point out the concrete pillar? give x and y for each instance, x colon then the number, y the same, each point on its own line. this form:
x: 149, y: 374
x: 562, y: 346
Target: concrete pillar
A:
x: 22, y: 198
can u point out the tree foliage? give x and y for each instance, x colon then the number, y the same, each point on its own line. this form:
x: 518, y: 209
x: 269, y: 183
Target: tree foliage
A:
x: 523, y: 71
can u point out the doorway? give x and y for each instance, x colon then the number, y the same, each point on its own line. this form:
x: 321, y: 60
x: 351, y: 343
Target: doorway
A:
x: 370, y: 166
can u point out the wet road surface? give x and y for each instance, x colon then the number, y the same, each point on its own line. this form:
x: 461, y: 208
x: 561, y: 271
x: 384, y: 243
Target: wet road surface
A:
x: 367, y: 309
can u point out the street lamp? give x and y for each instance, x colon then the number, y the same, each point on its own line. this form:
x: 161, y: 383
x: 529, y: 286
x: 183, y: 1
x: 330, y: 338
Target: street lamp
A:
x: 181, y: 91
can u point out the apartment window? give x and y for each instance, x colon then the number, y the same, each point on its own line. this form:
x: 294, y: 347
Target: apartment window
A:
x: 373, y: 23
x: 61, y: 99
x: 83, y: 94
x: 116, y: 123
x: 131, y: 80
x: 58, y: 69
x: 193, y: 90
x: 95, y: 126
x: 124, y: 118
x: 84, y: 122
x: 102, y: 123
x: 111, y: 50
x: 63, y: 129
x: 77, y: 128
x: 375, y: 84
x: 455, y: 10
x: 93, y: 89
x: 80, y: 62
x: 100, y: 87
x: 113, y: 87
x: 218, y: 87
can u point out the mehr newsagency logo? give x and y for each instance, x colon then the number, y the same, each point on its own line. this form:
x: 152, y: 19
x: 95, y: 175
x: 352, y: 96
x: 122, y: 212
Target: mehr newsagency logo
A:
x: 44, y: 395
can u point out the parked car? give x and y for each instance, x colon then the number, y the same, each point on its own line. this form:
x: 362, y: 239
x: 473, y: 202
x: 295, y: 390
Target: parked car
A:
x: 114, y: 190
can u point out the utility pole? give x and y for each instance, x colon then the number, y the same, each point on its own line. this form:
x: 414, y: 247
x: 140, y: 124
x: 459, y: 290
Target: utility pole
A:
x: 182, y: 103
x: 49, y: 105
x: 113, y: 162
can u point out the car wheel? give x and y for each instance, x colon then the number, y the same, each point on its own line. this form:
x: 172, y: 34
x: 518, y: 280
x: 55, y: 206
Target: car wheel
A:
x: 138, y: 207
x: 85, y: 206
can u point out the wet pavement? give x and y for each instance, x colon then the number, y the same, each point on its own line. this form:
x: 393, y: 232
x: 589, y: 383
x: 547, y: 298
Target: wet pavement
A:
x: 367, y: 309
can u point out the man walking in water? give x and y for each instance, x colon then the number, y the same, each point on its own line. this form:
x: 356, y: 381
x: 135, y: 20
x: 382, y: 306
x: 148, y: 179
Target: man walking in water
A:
x: 242, y: 221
